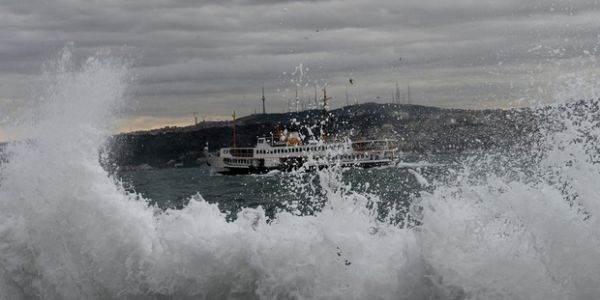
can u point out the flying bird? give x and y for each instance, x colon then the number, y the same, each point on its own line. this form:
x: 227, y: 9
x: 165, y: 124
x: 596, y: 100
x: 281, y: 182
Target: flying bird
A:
x: 351, y: 81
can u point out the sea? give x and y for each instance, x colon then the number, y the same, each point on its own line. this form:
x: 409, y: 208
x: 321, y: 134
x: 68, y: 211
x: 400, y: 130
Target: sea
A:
x: 393, y: 185
x: 507, y: 223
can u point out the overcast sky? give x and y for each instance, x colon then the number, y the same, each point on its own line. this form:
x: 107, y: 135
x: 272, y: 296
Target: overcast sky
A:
x: 213, y: 56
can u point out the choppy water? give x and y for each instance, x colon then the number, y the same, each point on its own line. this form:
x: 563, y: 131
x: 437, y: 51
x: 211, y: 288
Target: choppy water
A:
x: 521, y: 224
x: 393, y: 185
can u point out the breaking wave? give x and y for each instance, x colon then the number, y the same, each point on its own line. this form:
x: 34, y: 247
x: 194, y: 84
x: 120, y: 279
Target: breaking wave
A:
x: 68, y: 230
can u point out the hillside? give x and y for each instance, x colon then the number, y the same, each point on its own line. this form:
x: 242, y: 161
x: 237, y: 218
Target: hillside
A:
x: 419, y: 129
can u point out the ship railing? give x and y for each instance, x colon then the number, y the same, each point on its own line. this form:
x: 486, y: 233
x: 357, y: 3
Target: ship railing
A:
x: 242, y: 152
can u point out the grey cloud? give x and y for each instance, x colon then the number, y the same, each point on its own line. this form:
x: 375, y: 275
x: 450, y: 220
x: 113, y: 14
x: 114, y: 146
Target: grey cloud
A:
x: 208, y: 56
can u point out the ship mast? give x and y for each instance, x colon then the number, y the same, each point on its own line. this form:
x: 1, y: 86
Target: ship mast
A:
x: 325, y: 116
x: 325, y: 98
x: 316, y: 103
x: 297, y: 100
x: 234, y: 131
x: 263, y: 99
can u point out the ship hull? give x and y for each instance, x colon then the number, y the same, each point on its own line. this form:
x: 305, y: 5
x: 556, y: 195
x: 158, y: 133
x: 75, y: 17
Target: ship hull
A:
x: 287, y: 165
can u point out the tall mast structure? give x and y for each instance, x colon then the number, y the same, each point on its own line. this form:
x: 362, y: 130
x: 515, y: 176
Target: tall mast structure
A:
x: 347, y: 99
x: 234, y: 131
x: 316, y: 103
x: 297, y: 100
x: 325, y: 98
x: 397, y: 94
x: 263, y: 100
x: 408, y: 94
x: 324, y: 134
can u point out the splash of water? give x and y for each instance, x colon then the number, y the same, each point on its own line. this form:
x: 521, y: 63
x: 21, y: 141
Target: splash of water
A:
x: 68, y: 230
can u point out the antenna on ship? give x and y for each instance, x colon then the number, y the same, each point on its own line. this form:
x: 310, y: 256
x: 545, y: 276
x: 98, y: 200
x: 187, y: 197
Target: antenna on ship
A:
x: 325, y: 116
x: 234, y: 131
x: 297, y: 100
x: 397, y: 94
x: 263, y: 100
x: 316, y: 103
x: 325, y: 98
x: 195, y: 118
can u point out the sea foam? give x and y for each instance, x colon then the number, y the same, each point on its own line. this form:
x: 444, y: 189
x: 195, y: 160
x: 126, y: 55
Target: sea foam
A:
x: 69, y: 230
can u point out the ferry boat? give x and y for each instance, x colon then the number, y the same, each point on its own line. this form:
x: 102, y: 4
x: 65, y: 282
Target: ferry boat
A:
x: 289, y: 153
x: 286, y: 151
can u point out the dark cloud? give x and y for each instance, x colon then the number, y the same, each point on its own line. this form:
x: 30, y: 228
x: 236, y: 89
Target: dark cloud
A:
x: 213, y: 56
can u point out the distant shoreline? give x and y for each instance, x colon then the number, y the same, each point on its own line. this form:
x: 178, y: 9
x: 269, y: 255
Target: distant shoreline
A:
x: 419, y: 128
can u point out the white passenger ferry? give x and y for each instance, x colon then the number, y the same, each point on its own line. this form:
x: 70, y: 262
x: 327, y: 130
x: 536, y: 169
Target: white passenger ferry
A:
x: 288, y: 153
